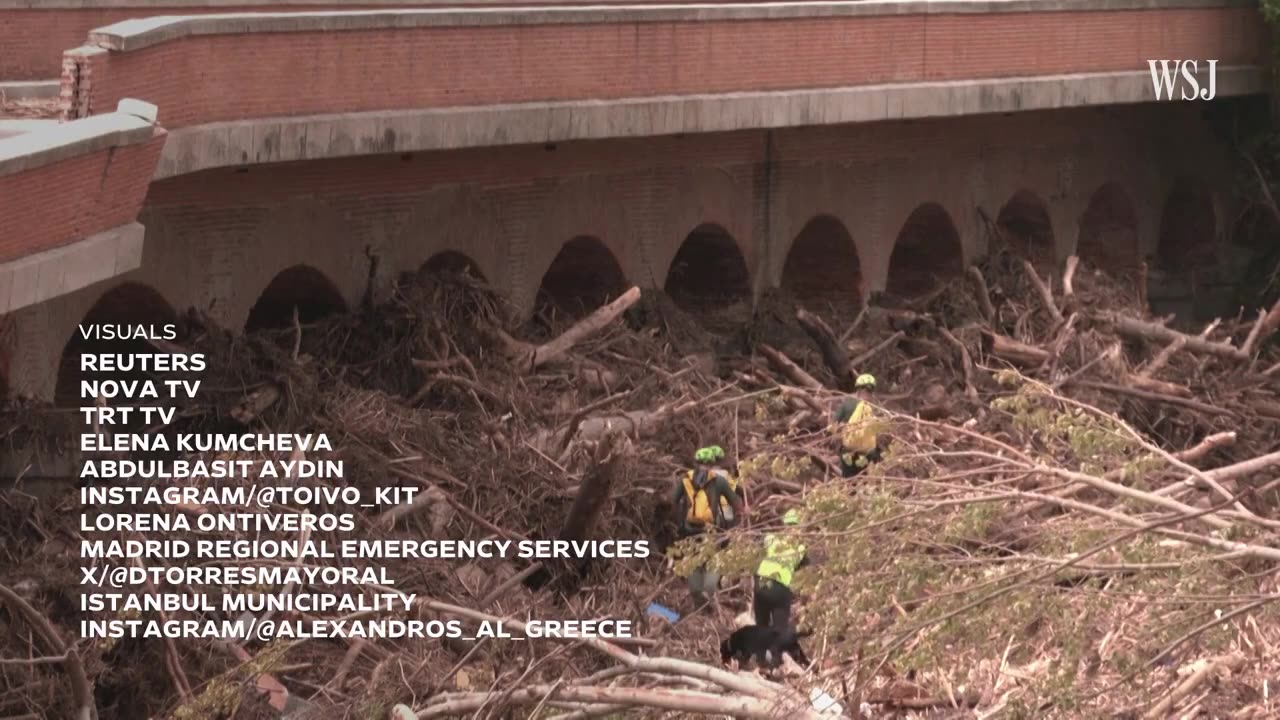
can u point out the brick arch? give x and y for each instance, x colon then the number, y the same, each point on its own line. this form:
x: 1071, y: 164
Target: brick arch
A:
x: 583, y: 276
x: 458, y: 220
x: 128, y: 303
x: 708, y: 274
x: 578, y: 209
x: 927, y: 251
x: 822, y: 265
x: 1026, y: 227
x: 308, y: 233
x: 1188, y: 228
x: 1109, y: 230
x: 452, y: 262
x: 300, y: 286
x: 698, y: 197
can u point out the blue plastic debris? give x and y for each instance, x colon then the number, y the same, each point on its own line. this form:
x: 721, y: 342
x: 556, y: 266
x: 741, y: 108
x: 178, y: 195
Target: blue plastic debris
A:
x: 659, y: 611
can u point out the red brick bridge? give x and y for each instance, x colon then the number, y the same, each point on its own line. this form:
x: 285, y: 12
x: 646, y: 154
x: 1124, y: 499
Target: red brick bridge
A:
x: 567, y: 151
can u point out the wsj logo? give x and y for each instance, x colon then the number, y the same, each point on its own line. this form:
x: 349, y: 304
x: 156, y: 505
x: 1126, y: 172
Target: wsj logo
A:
x: 1165, y: 75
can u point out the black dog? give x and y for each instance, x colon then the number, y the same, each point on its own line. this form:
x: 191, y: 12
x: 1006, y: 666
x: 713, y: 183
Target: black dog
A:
x: 764, y: 643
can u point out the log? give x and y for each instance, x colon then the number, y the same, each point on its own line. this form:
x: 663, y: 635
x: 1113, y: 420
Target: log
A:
x: 966, y: 362
x: 1006, y: 348
x: 1046, y: 295
x: 880, y: 347
x: 1266, y: 409
x: 1143, y: 330
x: 636, y: 424
x: 686, y: 702
x: 1158, y: 397
x: 833, y: 354
x: 788, y: 368
x: 595, y: 490
x: 857, y: 322
x: 1159, y: 361
x: 81, y: 688
x: 1210, y: 668
x: 983, y: 293
x: 1158, y: 386
x: 1068, y: 275
x: 1265, y: 326
x: 582, y: 329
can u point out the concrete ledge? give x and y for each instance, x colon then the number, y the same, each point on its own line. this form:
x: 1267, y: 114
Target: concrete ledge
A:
x: 52, y: 273
x: 33, y: 90
x: 145, y: 32
x: 9, y: 128
x: 274, y: 140
x: 55, y: 142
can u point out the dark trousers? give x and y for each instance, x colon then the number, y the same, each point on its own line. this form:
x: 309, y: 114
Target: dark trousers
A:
x: 771, y: 604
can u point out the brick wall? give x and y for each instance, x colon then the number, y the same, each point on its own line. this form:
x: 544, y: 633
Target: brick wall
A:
x: 216, y: 239
x: 205, y: 79
x: 35, y: 38
x: 67, y: 201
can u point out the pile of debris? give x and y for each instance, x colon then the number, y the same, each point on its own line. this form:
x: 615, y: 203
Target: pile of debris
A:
x: 1074, y: 509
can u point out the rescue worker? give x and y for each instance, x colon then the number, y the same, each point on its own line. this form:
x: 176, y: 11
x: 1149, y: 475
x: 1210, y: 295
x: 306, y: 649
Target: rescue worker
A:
x: 856, y: 427
x: 771, y: 602
x: 701, y: 498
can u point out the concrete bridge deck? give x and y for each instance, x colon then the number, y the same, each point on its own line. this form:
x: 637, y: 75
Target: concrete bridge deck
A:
x: 834, y: 148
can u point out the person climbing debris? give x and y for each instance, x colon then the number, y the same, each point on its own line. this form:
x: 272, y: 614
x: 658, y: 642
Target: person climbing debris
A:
x: 856, y: 427
x: 702, y: 498
x: 771, y: 602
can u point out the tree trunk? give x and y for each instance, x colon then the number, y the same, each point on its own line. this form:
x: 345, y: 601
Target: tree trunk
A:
x: 833, y: 354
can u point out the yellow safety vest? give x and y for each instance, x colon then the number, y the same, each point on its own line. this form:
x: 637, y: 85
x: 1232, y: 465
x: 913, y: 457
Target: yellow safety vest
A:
x: 859, y: 432
x: 699, y: 506
x: 780, y: 559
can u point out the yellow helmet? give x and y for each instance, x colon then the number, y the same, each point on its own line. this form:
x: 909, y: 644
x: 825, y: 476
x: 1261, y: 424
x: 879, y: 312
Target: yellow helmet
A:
x: 865, y: 381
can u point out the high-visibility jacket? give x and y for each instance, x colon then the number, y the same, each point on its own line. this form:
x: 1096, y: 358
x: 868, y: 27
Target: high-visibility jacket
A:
x: 858, y: 435
x: 781, y: 557
x: 700, y: 511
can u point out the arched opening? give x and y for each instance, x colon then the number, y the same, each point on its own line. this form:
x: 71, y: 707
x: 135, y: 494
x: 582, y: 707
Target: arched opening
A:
x: 1109, y: 231
x: 822, y: 266
x: 300, y: 286
x: 926, y: 254
x: 709, y: 274
x: 583, y: 276
x: 450, y: 262
x: 1255, y: 254
x: 1182, y: 280
x: 125, y: 307
x: 1024, y: 224
x: 1187, y: 229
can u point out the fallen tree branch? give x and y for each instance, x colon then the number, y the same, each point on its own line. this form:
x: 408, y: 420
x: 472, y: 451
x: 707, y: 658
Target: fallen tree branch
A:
x: 1211, y: 668
x: 1010, y: 350
x: 1068, y: 275
x: 788, y: 368
x: 1162, y: 358
x: 1046, y: 295
x: 833, y: 353
x: 689, y: 701
x: 857, y: 322
x: 879, y: 348
x: 1158, y: 397
x: 966, y: 362
x: 81, y: 690
x: 983, y: 293
x: 1143, y: 330
x: 591, y: 324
